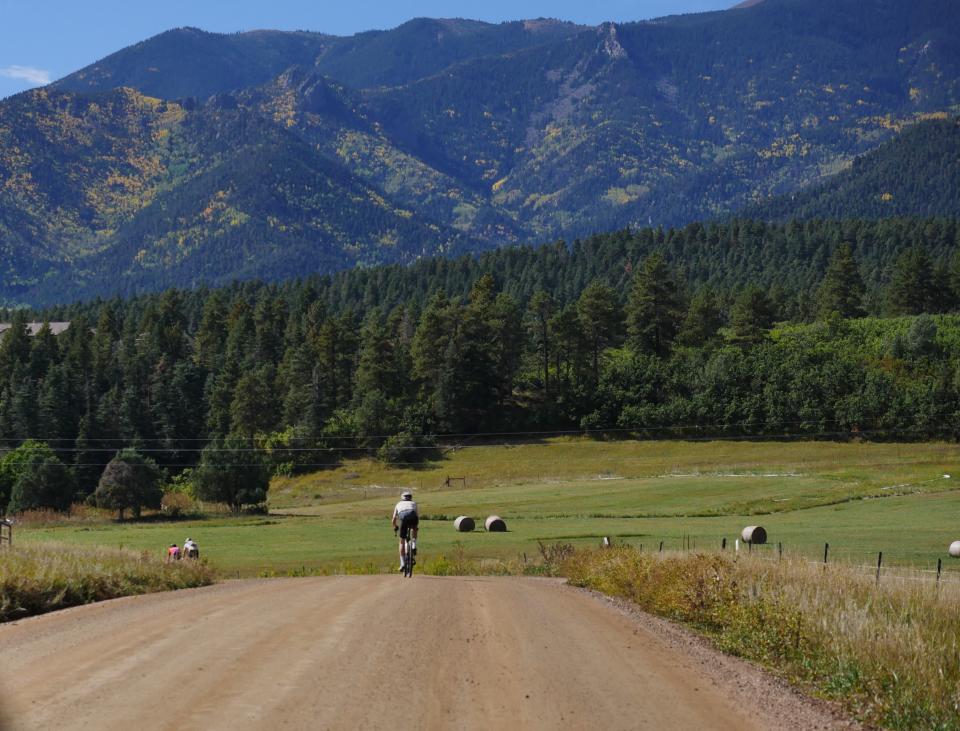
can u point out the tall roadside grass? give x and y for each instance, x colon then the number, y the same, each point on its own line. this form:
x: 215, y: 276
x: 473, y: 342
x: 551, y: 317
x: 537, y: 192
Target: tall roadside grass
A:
x: 42, y: 578
x: 890, y: 653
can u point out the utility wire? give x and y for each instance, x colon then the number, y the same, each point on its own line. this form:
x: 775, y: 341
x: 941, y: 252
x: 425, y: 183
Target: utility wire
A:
x: 556, y: 432
x: 559, y: 433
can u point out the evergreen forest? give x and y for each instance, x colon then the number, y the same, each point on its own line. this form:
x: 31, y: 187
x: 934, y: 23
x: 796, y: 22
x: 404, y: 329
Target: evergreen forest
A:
x: 828, y: 329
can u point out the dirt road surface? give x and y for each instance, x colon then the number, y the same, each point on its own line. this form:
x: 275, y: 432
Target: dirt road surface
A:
x: 377, y: 652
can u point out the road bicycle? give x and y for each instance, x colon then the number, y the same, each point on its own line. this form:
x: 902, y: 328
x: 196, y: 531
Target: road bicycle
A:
x: 408, y: 559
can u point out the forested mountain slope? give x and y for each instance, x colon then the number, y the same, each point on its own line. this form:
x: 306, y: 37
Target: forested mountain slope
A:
x: 457, y: 135
x: 786, y: 260
x: 916, y: 173
x: 181, y: 195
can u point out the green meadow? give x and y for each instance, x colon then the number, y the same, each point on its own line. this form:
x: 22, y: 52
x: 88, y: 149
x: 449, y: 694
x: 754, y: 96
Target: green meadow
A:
x: 861, y: 498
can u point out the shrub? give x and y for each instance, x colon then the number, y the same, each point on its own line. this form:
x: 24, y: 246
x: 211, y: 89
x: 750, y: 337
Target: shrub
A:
x: 177, y: 504
x: 407, y: 448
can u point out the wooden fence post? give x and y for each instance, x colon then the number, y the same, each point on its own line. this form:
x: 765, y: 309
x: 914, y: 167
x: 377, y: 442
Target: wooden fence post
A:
x: 879, y: 564
x: 826, y: 551
x: 8, y: 526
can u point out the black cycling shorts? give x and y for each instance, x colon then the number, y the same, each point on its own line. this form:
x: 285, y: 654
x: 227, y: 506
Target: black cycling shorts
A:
x: 408, y: 521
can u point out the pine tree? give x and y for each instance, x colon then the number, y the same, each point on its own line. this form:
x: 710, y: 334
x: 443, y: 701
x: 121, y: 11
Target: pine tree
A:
x: 297, y: 377
x: 655, y: 308
x: 23, y: 403
x: 911, y: 289
x: 14, y: 346
x: 269, y: 317
x: 165, y: 327
x: 540, y: 310
x: 703, y: 320
x: 44, y: 352
x: 570, y: 347
x: 211, y: 339
x: 507, y: 327
x: 87, y: 457
x: 430, y: 341
x: 600, y: 317
x: 55, y: 415
x: 378, y: 363
x: 342, y: 352
x: 751, y: 315
x: 476, y: 366
x: 253, y: 408
x: 104, y: 349
x: 842, y: 289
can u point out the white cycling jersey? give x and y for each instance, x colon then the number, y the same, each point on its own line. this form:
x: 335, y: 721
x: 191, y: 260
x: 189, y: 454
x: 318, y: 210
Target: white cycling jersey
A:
x: 404, y: 506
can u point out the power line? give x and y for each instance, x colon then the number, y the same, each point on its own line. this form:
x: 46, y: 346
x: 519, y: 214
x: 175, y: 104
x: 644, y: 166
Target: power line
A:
x: 568, y: 432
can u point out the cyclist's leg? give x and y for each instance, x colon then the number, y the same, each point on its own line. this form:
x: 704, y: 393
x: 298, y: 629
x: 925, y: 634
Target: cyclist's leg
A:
x: 413, y: 525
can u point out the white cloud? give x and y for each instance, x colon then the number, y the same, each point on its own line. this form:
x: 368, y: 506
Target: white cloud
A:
x: 34, y: 76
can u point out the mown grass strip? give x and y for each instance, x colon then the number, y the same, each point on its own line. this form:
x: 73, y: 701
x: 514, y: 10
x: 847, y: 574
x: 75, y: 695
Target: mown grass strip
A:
x: 889, y: 653
x: 42, y: 578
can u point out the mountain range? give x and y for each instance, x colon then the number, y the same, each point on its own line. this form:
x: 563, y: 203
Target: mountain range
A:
x: 197, y: 157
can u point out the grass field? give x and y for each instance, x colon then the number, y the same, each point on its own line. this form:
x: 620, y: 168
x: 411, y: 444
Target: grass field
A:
x: 861, y: 498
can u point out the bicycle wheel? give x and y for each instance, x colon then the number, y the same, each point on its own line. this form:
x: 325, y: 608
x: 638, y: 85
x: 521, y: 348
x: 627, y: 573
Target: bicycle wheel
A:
x: 408, y: 561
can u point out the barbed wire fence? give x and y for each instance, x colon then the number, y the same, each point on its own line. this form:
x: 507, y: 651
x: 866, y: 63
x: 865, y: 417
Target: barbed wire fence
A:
x: 944, y: 571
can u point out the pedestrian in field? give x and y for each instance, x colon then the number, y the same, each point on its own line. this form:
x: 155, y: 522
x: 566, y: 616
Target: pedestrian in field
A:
x: 173, y: 553
x: 191, y: 549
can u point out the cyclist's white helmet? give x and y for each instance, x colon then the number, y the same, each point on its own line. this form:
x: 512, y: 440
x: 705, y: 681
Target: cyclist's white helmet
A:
x: 406, y: 495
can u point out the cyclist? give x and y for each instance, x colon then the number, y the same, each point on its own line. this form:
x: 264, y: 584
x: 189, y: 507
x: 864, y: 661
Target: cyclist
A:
x: 406, y: 522
x: 173, y: 553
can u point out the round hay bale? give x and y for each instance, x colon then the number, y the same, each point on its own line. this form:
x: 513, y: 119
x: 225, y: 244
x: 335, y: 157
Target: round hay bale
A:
x: 495, y: 524
x: 464, y: 524
x: 754, y: 534
x: 955, y: 549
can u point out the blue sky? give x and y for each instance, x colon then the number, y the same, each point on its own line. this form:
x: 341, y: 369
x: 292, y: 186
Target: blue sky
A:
x: 42, y: 40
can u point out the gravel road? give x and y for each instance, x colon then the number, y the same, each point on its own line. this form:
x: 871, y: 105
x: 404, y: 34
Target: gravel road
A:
x: 375, y: 652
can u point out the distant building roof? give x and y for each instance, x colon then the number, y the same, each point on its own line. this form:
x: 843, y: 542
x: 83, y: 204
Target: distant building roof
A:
x: 34, y: 327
